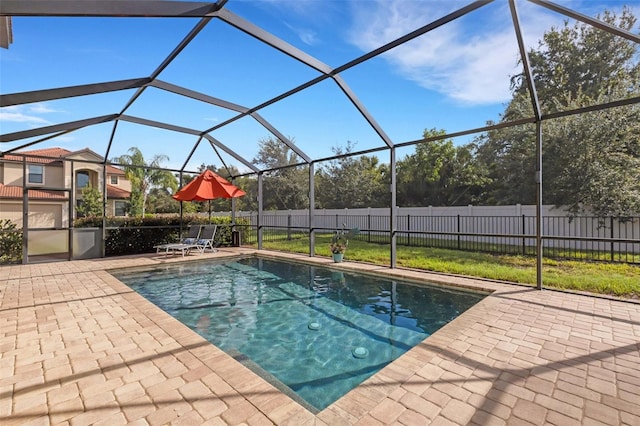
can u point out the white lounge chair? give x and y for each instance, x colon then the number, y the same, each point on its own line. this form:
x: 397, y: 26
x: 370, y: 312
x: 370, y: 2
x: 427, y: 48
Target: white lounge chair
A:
x: 190, y: 242
x: 207, y: 238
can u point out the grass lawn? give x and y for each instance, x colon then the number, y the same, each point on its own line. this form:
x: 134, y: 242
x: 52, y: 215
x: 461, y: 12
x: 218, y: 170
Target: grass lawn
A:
x: 617, y: 279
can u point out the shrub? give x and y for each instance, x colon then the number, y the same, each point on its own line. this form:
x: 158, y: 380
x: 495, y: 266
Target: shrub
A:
x: 133, y: 235
x: 10, y: 242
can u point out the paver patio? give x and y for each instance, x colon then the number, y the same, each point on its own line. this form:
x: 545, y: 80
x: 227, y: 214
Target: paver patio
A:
x: 79, y: 347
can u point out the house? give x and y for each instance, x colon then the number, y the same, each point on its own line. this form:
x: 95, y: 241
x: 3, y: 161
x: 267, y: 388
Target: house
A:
x: 49, y: 176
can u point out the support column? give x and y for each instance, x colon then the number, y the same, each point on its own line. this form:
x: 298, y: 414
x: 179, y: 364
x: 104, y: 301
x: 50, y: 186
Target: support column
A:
x: 25, y: 213
x: 260, y: 179
x: 312, y: 213
x: 539, y: 247
x: 394, y: 211
x: 103, y: 248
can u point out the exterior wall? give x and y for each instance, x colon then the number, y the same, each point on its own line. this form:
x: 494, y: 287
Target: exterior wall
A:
x: 13, y: 174
x: 95, y: 170
x: 123, y: 183
x: 53, y: 175
x: 42, y: 214
x: 54, y: 213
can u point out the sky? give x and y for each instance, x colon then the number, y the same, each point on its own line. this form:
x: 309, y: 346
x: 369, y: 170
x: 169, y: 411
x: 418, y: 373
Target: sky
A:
x: 455, y: 77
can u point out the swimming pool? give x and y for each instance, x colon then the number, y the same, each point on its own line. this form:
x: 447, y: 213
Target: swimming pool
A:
x: 313, y: 332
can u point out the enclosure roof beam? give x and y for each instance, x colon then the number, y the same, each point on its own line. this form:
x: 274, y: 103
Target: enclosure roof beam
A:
x: 193, y: 149
x: 588, y: 20
x: 535, y: 102
x: 327, y: 72
x: 108, y: 8
x: 26, y: 145
x: 273, y: 41
x: 174, y: 53
x: 71, y: 125
x: 281, y: 137
x: 197, y: 96
x: 70, y: 91
x: 361, y: 108
x: 214, y: 141
x: 306, y: 59
x: 414, y: 34
x: 231, y: 106
x: 159, y: 124
x: 590, y: 108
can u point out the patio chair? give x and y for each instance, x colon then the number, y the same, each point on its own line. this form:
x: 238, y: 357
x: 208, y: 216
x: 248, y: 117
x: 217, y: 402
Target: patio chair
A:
x: 188, y: 243
x: 192, y: 235
x: 207, y: 238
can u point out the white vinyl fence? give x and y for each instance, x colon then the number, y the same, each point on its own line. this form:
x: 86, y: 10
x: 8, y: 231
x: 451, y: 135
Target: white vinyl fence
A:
x: 487, y: 227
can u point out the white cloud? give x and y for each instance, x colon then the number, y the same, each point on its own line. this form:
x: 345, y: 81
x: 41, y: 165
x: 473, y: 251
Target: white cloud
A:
x: 306, y: 35
x: 469, y: 60
x: 21, y: 114
x: 41, y: 108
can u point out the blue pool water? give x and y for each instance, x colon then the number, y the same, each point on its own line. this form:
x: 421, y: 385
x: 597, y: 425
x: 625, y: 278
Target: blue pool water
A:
x: 314, y: 330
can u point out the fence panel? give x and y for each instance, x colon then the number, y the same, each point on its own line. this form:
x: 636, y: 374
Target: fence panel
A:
x: 584, y: 237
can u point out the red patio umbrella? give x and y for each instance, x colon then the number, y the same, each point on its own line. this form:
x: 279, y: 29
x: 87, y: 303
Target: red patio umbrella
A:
x: 208, y: 186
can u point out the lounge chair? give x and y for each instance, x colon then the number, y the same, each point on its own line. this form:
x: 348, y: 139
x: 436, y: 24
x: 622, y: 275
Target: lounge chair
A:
x: 188, y: 243
x: 207, y: 238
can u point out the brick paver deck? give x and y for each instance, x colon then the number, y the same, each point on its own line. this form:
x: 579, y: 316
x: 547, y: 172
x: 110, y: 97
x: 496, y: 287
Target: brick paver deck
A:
x: 79, y: 347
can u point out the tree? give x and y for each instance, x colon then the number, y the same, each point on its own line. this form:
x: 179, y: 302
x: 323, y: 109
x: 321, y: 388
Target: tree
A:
x: 583, y: 59
x: 439, y: 174
x: 144, y: 176
x: 594, y: 167
x: 590, y: 161
x: 159, y: 200
x: 285, y: 186
x: 91, y: 203
x: 350, y: 182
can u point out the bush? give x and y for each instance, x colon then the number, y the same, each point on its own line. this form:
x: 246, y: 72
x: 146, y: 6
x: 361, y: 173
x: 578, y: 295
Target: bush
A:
x: 10, y: 242
x: 133, y: 235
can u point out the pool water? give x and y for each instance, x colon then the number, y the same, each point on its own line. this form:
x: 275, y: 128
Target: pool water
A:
x: 311, y: 330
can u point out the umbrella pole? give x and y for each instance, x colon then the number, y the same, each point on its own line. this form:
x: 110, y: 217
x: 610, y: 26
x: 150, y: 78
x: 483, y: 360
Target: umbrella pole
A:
x: 209, y: 212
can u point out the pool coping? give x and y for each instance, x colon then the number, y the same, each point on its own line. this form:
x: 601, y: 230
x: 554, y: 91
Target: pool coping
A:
x: 266, y: 375
x: 518, y: 355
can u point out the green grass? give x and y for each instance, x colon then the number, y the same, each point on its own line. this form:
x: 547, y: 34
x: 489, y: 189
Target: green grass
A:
x: 616, y: 279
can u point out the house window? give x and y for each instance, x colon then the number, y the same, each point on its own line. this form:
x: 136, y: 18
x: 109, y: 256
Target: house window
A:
x: 120, y: 208
x: 114, y: 180
x: 36, y: 174
x: 82, y: 179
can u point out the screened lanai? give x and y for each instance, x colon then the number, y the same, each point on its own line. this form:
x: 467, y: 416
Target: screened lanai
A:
x: 204, y: 83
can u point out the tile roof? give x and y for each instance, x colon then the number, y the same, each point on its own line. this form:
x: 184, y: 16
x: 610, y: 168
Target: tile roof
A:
x: 10, y: 191
x: 54, y: 155
x: 114, y: 171
x: 114, y: 192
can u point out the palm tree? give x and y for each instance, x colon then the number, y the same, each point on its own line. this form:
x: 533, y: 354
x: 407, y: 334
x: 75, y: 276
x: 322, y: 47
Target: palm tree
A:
x: 144, y: 176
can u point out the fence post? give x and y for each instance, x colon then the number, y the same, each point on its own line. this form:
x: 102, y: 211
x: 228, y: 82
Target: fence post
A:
x: 611, y: 234
x: 409, y: 230
x: 369, y: 227
x: 458, y: 232
x: 524, y: 240
x: 289, y: 227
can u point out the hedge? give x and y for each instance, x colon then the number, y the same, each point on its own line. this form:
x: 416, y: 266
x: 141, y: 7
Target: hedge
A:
x: 133, y: 235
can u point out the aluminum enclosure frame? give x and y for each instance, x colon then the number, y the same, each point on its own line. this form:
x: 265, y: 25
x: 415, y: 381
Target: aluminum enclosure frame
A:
x: 208, y: 11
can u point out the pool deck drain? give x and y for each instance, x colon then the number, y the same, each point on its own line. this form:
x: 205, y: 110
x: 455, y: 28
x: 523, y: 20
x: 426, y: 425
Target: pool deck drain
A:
x: 79, y: 347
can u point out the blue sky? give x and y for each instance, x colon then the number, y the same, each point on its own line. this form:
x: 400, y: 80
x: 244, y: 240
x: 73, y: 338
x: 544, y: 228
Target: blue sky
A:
x: 454, y: 78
